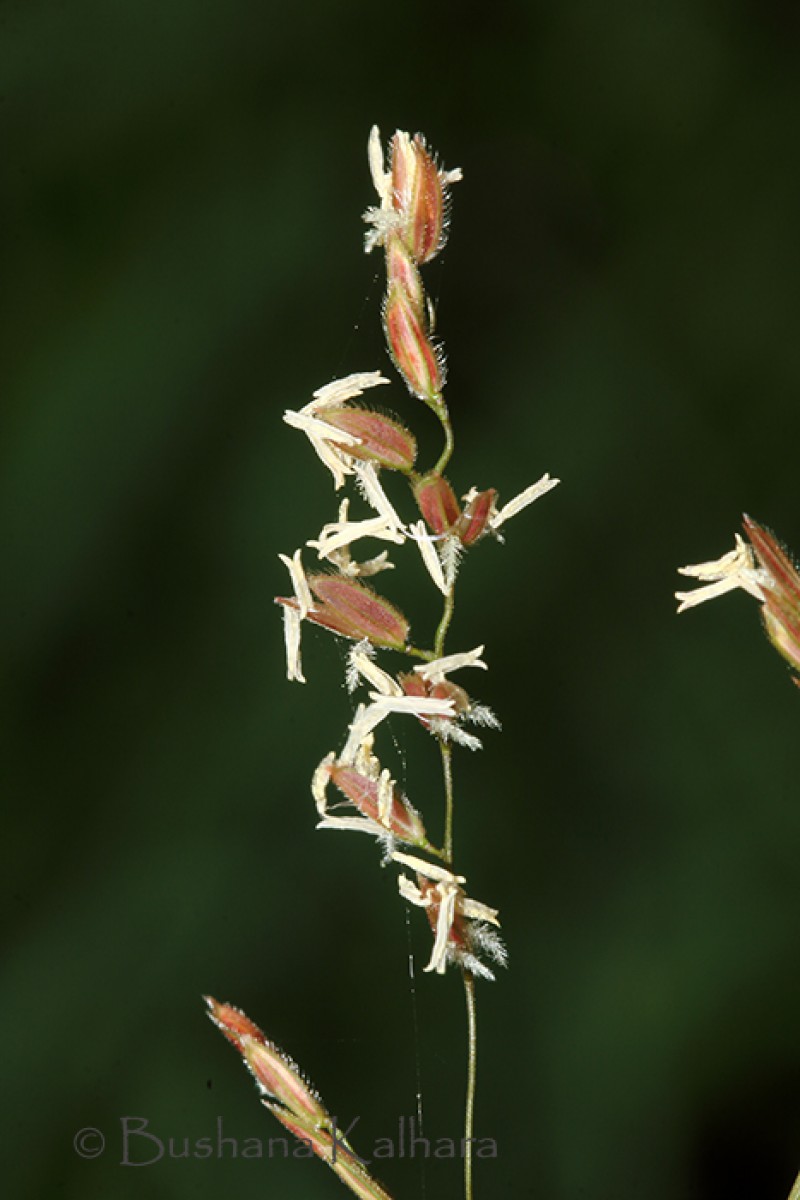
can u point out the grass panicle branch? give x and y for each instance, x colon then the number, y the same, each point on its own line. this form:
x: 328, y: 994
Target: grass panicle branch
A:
x: 352, y: 789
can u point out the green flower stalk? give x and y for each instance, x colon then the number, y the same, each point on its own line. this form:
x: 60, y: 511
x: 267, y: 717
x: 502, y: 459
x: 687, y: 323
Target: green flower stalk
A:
x: 351, y: 789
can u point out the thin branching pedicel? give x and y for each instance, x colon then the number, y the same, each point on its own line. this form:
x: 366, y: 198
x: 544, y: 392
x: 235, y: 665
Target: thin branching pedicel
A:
x: 351, y: 789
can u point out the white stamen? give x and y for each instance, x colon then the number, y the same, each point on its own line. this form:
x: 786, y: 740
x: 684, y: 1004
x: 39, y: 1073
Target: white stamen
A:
x: 363, y: 665
x: 736, y: 569
x: 368, y: 717
x: 339, y: 391
x: 429, y: 556
x: 381, y: 178
x: 319, y: 783
x: 291, y: 633
x: 338, y: 534
x: 309, y: 424
x: 373, y: 493
x: 444, y: 925
x: 431, y: 871
x: 302, y: 591
x: 385, y: 796
x: 526, y: 497
x: 436, y: 671
x: 337, y: 461
x: 417, y: 706
x: 409, y: 891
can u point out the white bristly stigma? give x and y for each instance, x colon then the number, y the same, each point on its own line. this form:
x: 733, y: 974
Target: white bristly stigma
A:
x: 451, y: 550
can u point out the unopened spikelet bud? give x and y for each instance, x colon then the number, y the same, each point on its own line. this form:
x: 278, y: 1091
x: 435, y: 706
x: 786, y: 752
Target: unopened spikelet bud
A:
x: 393, y: 811
x: 437, y: 502
x: 356, y: 611
x: 419, y: 194
x: 277, y: 1076
x: 232, y: 1022
x: 415, y: 355
x: 289, y: 1098
x: 401, y: 271
x: 381, y: 439
x: 274, y: 1071
x: 781, y: 606
x: 474, y: 520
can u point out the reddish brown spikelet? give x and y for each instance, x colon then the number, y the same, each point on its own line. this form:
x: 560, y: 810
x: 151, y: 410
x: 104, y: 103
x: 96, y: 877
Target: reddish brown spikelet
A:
x: 776, y: 562
x: 356, y: 611
x: 232, y: 1022
x: 420, y: 195
x: 457, y: 936
x: 278, y: 1076
x: 414, y: 354
x: 413, y: 684
x: 781, y: 611
x: 446, y: 690
x: 363, y: 793
x: 381, y: 439
x: 334, y: 1151
x: 437, y: 502
x: 273, y: 1070
x: 474, y: 521
x: 401, y: 270
x: 290, y: 1099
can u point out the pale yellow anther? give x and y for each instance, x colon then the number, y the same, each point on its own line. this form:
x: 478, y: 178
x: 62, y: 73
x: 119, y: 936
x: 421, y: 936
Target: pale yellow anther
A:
x: 526, y: 497
x: 440, y: 668
x: 736, y: 569
x: 430, y: 558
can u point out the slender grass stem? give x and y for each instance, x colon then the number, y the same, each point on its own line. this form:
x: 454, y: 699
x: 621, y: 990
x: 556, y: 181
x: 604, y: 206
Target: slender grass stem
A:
x: 416, y: 652
x: 446, y: 751
x: 444, y: 624
x: 472, y: 1062
x: 449, y: 442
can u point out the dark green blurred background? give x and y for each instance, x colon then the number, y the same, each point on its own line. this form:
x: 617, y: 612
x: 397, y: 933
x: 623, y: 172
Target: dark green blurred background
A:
x: 183, y: 185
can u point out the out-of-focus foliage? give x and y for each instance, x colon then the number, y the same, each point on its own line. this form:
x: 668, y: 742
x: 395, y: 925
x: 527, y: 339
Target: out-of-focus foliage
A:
x: 182, y: 185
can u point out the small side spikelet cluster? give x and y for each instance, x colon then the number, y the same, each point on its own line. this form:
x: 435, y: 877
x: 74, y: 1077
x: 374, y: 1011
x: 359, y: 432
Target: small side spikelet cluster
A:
x: 760, y: 566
